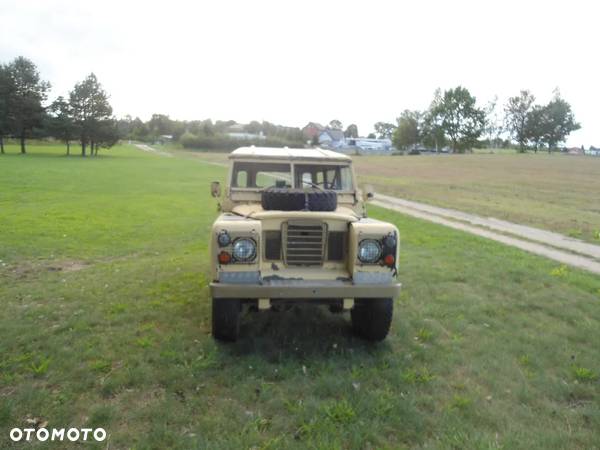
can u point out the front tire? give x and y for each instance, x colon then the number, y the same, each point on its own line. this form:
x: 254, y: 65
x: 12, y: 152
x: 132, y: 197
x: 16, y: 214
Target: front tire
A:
x: 226, y: 319
x: 371, y: 318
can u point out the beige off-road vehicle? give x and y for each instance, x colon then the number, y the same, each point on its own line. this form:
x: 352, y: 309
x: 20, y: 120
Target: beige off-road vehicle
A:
x: 294, y: 229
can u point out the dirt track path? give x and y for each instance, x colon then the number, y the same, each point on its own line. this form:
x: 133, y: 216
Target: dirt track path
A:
x: 530, y: 233
x: 149, y: 149
x: 548, y: 244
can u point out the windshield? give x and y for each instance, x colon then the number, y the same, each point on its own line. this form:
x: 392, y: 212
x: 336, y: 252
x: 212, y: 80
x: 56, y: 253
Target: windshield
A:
x: 254, y: 175
x: 261, y: 175
x: 338, y: 178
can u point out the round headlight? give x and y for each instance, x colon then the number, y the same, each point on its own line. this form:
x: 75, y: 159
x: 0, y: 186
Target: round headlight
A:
x: 223, y: 239
x: 369, y: 251
x: 244, y: 249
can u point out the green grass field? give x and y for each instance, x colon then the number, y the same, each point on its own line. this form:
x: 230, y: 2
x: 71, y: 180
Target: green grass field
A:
x: 553, y: 192
x: 105, y: 321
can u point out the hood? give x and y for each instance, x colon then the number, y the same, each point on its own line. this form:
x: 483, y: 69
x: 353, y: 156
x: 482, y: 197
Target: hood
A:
x: 255, y: 211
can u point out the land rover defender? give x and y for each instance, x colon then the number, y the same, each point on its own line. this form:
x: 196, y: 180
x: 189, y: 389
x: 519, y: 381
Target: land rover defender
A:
x: 293, y: 228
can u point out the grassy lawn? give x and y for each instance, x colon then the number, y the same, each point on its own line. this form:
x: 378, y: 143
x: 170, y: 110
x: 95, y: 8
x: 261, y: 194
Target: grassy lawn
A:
x: 554, y: 192
x: 105, y: 321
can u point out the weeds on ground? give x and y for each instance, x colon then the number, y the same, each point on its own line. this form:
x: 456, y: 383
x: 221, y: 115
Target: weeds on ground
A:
x: 560, y: 271
x: 584, y: 375
x: 40, y: 367
x: 417, y: 376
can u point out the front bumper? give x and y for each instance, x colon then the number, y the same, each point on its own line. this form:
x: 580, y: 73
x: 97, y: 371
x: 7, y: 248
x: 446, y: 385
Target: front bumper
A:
x: 305, y: 289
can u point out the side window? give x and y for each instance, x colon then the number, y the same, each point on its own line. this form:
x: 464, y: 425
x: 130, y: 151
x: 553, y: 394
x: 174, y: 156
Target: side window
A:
x: 320, y: 178
x: 333, y: 181
x: 306, y: 179
x: 346, y: 179
x: 241, y: 179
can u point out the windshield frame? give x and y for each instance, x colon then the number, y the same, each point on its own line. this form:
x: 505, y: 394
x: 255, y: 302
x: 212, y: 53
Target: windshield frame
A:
x: 293, y: 165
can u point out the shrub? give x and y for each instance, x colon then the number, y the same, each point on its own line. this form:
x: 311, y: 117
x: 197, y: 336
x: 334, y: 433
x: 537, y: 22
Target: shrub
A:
x: 340, y: 412
x: 221, y: 142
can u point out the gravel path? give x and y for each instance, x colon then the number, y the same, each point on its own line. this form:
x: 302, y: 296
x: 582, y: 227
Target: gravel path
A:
x: 530, y: 233
x: 474, y: 225
x: 149, y: 149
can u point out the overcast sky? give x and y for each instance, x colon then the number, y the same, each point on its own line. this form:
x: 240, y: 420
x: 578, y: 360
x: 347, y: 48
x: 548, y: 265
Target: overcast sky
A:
x: 291, y: 62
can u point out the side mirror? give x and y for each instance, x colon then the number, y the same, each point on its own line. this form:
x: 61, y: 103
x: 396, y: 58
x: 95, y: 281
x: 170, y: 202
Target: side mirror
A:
x: 215, y: 189
x: 369, y: 192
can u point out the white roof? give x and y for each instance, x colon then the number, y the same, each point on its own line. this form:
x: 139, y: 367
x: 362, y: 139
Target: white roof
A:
x: 287, y: 153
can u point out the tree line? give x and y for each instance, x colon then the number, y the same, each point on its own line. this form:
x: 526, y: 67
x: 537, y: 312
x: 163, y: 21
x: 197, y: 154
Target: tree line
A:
x: 85, y: 116
x: 206, y: 134
x: 454, y: 119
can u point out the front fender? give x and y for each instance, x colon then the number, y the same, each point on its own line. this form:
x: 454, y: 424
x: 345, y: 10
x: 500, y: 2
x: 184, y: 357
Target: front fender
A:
x: 370, y: 229
x: 236, y: 226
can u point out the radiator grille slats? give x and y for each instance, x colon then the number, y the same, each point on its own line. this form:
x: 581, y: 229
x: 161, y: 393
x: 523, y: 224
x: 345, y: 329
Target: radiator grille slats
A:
x: 304, y: 244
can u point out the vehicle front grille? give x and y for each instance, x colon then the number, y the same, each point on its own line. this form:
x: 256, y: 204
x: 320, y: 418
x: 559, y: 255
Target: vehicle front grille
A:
x: 336, y: 245
x: 273, y: 245
x: 304, y: 243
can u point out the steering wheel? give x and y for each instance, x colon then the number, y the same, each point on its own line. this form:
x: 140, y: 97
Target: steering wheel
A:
x: 325, y: 184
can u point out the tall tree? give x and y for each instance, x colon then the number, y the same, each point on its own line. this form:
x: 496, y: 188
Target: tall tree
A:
x: 253, y: 127
x: 335, y: 124
x: 351, y: 131
x: 460, y: 118
x: 560, y: 121
x: 160, y: 124
x: 89, y: 105
x: 61, y: 124
x: 384, y: 129
x: 139, y: 130
x: 432, y: 133
x: 106, y: 135
x: 207, y: 127
x: 536, y: 123
x: 408, y: 131
x: 25, y: 102
x: 493, y: 122
x: 6, y: 91
x: 517, y: 109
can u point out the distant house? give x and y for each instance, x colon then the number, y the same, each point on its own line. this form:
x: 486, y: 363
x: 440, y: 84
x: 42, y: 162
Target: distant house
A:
x: 370, y: 146
x: 575, y: 151
x: 330, y: 138
x: 238, y: 131
x: 247, y: 136
x: 592, y: 151
x: 163, y: 139
x: 311, y: 130
x: 236, y: 128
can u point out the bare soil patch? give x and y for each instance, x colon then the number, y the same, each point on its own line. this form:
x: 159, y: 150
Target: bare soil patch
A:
x: 26, y: 269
